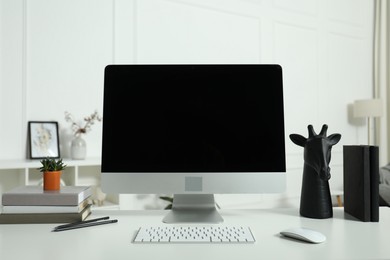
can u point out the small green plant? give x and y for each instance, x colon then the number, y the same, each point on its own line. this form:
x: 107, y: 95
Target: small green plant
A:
x: 51, y: 164
x: 169, y: 199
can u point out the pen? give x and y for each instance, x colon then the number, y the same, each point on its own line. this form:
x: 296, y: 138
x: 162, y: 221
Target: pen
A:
x: 81, y: 222
x: 83, y: 225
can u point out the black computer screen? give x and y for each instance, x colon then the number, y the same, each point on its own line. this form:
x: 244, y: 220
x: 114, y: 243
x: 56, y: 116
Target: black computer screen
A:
x: 193, y: 118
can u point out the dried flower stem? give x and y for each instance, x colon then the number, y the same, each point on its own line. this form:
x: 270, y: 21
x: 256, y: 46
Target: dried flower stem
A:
x: 82, y: 129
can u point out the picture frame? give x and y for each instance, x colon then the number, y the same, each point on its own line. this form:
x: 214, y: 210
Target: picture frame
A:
x: 43, y: 139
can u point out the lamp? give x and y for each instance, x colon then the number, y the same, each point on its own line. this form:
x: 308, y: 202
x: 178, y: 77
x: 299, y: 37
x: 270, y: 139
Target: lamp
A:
x: 368, y: 108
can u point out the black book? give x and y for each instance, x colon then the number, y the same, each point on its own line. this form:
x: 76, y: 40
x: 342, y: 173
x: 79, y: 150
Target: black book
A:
x: 357, y: 188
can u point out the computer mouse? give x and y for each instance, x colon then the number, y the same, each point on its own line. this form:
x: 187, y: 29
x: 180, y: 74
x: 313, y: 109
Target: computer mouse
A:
x: 304, y: 234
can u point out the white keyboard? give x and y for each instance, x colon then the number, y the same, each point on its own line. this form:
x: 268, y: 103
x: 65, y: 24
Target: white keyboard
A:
x: 194, y: 234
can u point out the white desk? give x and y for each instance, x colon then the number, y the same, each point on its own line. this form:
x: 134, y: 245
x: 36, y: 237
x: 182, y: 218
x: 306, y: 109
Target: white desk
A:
x: 346, y: 239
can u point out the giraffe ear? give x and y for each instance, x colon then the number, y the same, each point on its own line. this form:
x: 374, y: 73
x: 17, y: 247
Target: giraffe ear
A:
x: 298, y: 139
x: 334, y: 138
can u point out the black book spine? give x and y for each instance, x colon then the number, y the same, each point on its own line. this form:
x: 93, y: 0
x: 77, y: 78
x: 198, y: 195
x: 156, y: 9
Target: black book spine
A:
x: 374, y: 182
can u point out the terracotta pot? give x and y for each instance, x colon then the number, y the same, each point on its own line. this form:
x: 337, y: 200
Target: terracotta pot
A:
x: 52, y: 180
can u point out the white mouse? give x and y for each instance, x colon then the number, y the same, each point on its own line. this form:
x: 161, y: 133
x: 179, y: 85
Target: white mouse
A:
x: 304, y: 234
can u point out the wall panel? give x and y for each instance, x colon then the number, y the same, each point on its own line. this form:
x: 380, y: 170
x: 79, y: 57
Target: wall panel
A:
x: 176, y: 32
x: 68, y: 45
x: 306, y: 7
x: 296, y: 48
x: 12, y: 99
x: 346, y: 82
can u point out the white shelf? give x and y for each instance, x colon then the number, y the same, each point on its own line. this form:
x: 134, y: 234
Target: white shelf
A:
x: 78, y: 172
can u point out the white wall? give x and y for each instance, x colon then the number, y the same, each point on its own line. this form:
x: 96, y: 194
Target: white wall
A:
x: 53, y: 53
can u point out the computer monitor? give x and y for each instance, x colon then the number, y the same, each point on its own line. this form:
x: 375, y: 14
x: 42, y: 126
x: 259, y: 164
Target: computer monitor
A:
x: 193, y: 131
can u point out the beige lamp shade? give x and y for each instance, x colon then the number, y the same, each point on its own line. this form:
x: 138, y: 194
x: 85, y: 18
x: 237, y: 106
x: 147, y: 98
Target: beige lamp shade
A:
x: 368, y: 108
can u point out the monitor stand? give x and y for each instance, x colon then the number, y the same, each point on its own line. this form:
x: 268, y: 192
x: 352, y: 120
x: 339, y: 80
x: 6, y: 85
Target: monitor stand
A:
x: 193, y: 208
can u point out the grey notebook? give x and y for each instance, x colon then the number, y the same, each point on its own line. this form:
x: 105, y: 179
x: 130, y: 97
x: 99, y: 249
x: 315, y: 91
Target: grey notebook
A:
x: 35, y: 195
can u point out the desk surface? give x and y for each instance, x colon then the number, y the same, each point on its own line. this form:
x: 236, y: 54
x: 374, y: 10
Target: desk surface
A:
x: 346, y: 238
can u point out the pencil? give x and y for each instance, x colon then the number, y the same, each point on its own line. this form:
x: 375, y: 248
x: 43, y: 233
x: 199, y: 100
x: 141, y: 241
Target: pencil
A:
x: 81, y: 222
x: 83, y: 225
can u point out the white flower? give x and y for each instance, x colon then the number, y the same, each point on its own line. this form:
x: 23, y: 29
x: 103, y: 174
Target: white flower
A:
x: 82, y: 129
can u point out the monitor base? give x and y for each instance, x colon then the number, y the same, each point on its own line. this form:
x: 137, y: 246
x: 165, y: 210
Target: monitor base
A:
x: 193, y: 208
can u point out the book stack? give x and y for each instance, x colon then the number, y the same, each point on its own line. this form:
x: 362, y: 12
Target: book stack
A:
x: 32, y: 204
x: 361, y: 182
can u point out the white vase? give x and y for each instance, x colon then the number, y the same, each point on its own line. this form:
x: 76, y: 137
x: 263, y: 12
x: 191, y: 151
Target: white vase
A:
x: 78, y: 149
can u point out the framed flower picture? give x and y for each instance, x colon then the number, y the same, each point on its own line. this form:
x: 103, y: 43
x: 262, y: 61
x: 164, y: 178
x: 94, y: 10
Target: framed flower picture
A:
x: 43, y: 139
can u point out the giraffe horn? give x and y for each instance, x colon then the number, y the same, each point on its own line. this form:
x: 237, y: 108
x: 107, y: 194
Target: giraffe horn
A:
x: 311, y: 131
x: 323, y: 130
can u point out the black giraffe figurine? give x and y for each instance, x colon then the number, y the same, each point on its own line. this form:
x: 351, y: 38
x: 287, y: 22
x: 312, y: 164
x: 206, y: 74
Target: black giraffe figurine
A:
x: 315, y: 194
